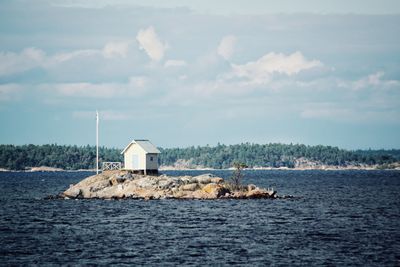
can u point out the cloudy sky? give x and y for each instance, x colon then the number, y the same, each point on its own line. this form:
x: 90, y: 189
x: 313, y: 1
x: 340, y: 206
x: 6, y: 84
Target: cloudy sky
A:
x: 187, y: 73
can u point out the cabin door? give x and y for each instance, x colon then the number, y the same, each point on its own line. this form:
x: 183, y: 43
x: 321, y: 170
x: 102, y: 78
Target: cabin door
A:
x: 135, y: 161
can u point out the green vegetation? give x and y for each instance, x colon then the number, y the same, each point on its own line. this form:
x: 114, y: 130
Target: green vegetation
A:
x: 237, y: 175
x: 274, y: 155
x: 220, y: 156
x: 65, y: 157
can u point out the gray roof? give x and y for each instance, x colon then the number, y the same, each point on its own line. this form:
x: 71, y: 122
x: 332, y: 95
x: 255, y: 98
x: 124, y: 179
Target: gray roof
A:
x: 145, y: 144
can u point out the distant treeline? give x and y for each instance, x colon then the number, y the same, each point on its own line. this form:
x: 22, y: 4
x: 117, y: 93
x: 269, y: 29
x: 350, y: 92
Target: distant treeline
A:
x: 220, y: 156
x: 275, y: 155
x: 65, y: 157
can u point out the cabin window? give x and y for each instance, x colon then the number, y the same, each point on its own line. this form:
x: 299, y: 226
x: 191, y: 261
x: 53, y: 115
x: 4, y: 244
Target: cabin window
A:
x: 151, y: 158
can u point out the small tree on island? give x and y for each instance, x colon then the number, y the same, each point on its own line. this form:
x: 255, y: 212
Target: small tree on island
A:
x: 237, y: 175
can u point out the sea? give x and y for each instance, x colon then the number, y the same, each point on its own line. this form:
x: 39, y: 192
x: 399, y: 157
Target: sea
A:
x: 336, y: 218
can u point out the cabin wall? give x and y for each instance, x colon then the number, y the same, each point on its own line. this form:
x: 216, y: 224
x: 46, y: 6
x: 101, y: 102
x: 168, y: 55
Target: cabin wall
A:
x: 134, y: 149
x: 152, y: 164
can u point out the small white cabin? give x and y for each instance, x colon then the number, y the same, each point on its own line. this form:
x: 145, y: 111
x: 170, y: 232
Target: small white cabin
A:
x: 141, y: 156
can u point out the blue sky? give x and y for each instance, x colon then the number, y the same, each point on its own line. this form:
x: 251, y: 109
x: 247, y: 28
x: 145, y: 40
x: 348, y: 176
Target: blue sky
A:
x: 187, y: 73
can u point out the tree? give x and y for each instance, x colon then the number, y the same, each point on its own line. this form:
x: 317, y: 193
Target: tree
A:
x: 220, y: 156
x: 237, y: 176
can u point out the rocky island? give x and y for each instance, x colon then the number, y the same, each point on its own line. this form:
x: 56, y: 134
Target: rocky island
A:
x: 126, y: 185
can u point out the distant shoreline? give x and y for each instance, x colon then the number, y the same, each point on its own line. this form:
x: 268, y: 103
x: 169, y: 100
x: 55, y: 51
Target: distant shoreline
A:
x: 171, y: 168
x: 330, y: 168
x: 47, y: 169
x: 258, y: 156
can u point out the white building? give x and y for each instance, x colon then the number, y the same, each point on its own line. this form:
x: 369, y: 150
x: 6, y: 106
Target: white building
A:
x: 141, y: 156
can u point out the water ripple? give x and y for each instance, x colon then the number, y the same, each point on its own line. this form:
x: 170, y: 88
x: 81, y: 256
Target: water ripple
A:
x: 342, y: 218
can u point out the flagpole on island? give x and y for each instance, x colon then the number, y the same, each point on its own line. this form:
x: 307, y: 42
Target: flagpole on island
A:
x: 97, y: 142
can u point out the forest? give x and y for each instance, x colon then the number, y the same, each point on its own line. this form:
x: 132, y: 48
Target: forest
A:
x: 221, y: 156
x: 57, y: 156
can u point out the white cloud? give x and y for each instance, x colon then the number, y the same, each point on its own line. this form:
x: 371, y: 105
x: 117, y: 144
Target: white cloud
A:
x: 116, y: 49
x: 29, y: 58
x: 34, y: 54
x: 110, y: 50
x: 150, y: 42
x: 227, y: 46
x: 11, y: 63
x: 261, y: 71
x: 375, y: 78
x: 62, y: 57
x: 175, y: 63
x: 372, y: 80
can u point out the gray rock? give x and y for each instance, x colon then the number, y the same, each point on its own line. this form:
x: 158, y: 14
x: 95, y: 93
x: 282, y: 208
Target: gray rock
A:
x: 177, y: 181
x: 117, y: 185
x: 99, y: 185
x: 187, y: 180
x: 251, y: 187
x: 145, y: 183
x: 216, y: 180
x: 129, y: 176
x: 117, y: 180
x: 73, y: 192
x: 165, y: 184
x: 189, y: 187
x: 203, y: 179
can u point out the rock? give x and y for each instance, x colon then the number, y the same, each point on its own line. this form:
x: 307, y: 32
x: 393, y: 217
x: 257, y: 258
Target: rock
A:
x: 238, y: 194
x: 95, y: 181
x: 258, y: 193
x: 209, y: 188
x: 187, y: 179
x: 117, y: 185
x: 145, y: 182
x: 129, y: 176
x: 204, y: 178
x: 113, y: 192
x: 117, y: 180
x: 158, y: 195
x: 216, y: 180
x: 73, y: 192
x: 165, y: 183
x: 189, y: 187
x: 200, y: 194
x: 227, y: 194
x: 215, y: 190
x: 251, y: 187
x: 180, y: 194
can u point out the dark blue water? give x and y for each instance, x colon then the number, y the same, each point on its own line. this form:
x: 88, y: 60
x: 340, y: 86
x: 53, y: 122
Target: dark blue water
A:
x: 342, y: 218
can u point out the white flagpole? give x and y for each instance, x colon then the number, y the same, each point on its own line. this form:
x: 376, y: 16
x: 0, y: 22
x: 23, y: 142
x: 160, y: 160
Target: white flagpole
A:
x: 97, y: 142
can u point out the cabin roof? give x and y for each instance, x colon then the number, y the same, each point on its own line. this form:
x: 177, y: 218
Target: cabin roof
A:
x: 147, y: 146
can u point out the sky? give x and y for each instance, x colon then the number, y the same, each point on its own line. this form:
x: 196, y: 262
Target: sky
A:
x: 184, y: 73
